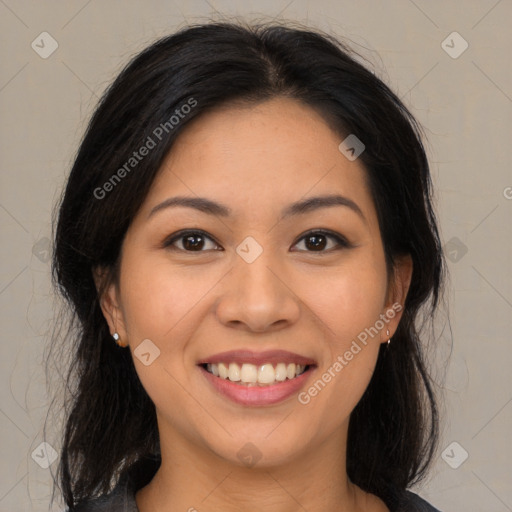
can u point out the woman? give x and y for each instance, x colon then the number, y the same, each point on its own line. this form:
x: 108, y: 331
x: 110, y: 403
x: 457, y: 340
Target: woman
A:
x: 247, y: 239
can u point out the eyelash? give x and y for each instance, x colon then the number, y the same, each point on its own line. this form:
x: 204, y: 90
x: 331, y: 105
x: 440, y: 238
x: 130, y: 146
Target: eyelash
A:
x: 340, y: 240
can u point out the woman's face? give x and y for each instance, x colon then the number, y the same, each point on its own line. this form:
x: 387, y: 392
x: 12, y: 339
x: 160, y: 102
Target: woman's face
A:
x: 259, y: 277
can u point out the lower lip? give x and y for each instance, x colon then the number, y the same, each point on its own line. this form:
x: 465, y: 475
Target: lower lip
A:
x: 258, y: 395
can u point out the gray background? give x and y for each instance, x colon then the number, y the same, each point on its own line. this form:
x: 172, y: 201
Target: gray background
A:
x: 465, y: 105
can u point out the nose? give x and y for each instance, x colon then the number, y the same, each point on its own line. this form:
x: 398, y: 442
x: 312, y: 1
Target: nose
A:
x: 258, y: 296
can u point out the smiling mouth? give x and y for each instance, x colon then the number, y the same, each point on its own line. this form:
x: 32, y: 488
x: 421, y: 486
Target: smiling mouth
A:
x: 251, y: 375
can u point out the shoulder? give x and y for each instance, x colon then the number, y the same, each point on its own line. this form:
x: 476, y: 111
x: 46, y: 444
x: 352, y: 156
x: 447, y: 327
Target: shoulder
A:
x: 120, y: 499
x: 411, y: 502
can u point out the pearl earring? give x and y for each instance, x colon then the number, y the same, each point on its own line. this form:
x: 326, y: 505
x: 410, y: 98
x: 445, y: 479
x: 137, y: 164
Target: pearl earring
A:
x: 117, y: 339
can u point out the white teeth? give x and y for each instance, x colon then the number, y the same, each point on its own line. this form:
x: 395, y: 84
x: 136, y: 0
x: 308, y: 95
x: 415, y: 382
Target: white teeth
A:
x: 213, y: 368
x: 280, y: 372
x: 249, y: 373
x: 252, y: 375
x: 234, y: 372
x: 223, y: 370
x: 266, y: 374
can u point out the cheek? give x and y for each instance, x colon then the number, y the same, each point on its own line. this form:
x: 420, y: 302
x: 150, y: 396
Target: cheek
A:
x: 349, y: 300
x: 349, y: 303
x: 159, y: 304
x: 157, y: 299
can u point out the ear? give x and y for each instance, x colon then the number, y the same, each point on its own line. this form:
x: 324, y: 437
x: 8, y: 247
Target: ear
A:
x: 108, y: 296
x: 398, y: 288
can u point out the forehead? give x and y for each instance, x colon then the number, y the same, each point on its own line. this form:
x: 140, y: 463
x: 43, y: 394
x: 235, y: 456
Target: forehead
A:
x: 258, y: 156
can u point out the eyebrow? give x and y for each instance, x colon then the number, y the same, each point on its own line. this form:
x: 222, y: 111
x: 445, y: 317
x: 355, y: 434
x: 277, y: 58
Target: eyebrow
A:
x: 210, y: 207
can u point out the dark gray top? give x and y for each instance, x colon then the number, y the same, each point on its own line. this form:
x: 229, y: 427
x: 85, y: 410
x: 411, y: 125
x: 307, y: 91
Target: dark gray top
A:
x: 122, y: 497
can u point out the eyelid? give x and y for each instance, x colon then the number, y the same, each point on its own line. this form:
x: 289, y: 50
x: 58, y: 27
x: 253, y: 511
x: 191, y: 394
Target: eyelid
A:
x: 341, y: 241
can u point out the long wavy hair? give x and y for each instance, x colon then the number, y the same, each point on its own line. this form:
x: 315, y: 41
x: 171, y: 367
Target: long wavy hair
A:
x: 110, y: 421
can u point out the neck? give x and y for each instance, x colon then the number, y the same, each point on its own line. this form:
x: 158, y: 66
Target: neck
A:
x: 192, y: 478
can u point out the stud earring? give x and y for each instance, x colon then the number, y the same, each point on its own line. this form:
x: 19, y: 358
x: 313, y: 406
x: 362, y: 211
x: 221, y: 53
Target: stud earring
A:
x: 117, y: 339
x: 387, y: 334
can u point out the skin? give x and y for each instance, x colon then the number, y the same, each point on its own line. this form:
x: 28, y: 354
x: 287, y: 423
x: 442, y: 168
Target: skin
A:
x: 256, y: 160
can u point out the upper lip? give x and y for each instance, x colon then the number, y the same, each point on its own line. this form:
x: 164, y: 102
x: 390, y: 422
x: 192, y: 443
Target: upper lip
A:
x: 257, y: 358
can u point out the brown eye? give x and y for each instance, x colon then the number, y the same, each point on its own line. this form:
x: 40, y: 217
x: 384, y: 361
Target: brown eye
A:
x: 190, y: 241
x: 317, y: 241
x: 193, y: 242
